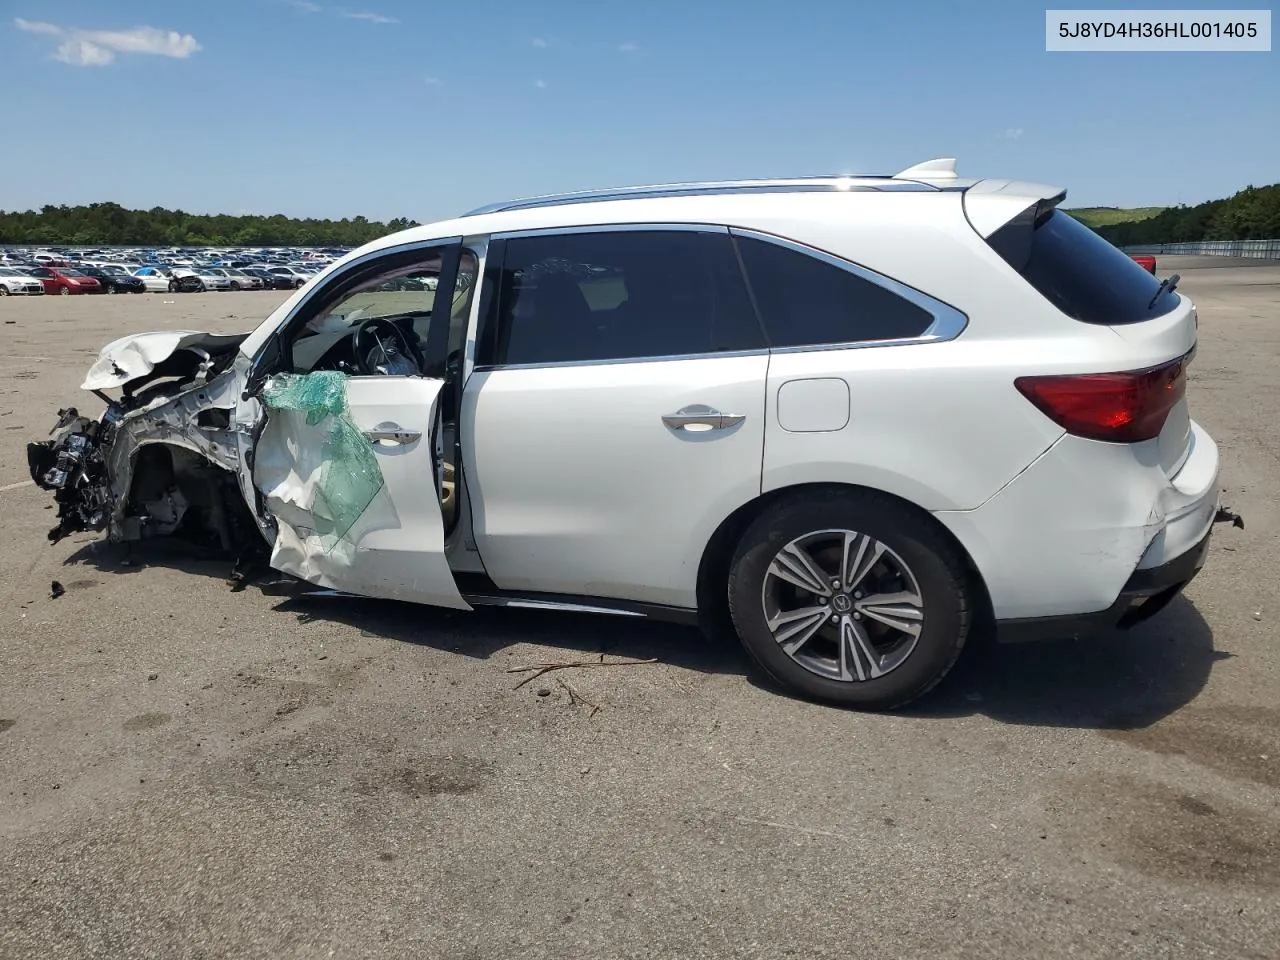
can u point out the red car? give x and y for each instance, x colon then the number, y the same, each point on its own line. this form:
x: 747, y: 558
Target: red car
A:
x: 65, y: 280
x: 1146, y: 262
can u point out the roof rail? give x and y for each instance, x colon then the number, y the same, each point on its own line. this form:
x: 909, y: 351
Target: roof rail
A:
x: 708, y: 188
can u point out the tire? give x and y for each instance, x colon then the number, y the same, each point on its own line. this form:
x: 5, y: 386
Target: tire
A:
x: 202, y: 288
x: 235, y: 286
x: 173, y: 286
x: 881, y: 667
x: 64, y: 291
x: 298, y: 283
x: 111, y: 288
x: 4, y: 291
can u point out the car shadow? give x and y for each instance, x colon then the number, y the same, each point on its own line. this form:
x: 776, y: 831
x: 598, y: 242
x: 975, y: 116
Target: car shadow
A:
x: 1117, y: 680
x: 490, y: 630
x: 1114, y: 681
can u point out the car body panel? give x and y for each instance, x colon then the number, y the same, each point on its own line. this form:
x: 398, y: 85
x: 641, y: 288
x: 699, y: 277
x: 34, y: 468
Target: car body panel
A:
x: 647, y: 497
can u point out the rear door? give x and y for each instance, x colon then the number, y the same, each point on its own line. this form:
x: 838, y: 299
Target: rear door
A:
x: 615, y: 415
x: 348, y: 464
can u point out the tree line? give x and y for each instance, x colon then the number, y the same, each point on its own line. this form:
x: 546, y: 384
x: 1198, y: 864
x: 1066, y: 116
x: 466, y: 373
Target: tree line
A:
x: 1251, y: 214
x: 110, y: 224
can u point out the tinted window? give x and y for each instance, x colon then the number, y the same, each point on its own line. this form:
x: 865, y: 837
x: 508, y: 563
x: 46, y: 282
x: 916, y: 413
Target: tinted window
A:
x: 1078, y: 272
x: 805, y: 301
x: 621, y: 295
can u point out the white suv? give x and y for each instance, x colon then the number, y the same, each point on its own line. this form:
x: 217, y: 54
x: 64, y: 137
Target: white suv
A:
x: 852, y: 418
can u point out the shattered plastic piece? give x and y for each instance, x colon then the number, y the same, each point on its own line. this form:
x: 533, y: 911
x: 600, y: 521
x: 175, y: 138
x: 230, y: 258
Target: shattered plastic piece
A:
x: 1227, y: 516
x: 56, y: 590
x: 349, y: 476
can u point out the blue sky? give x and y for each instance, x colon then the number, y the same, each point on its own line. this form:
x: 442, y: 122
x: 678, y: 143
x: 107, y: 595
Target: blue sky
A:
x: 424, y: 109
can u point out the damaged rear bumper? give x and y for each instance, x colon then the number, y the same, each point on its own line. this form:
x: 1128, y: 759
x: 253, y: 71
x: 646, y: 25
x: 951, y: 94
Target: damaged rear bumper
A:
x: 1145, y: 593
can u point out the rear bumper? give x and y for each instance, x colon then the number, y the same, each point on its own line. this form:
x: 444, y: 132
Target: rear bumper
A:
x: 1065, y: 539
x: 1145, y: 593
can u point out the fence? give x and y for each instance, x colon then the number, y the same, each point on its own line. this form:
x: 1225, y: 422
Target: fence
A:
x: 1254, y: 249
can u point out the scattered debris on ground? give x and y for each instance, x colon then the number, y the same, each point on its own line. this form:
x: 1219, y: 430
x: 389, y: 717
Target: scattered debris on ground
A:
x: 56, y: 590
x: 538, y: 669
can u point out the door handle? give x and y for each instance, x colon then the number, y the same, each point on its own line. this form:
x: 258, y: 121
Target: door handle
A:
x: 699, y: 415
x: 392, y: 433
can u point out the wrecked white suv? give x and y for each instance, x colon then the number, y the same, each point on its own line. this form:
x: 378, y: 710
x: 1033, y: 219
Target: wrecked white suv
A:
x: 850, y: 417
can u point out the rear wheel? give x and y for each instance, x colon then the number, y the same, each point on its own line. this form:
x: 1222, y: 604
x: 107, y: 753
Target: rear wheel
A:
x: 4, y: 291
x: 850, y: 598
x: 64, y: 291
x: 235, y: 285
x: 111, y: 288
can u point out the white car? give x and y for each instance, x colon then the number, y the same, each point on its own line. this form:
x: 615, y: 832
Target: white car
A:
x: 237, y: 279
x: 851, y: 419
x: 298, y: 276
x: 157, y: 279
x: 208, y: 279
x: 15, y: 282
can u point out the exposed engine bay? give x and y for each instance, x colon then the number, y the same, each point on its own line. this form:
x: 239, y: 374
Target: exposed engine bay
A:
x: 162, y: 459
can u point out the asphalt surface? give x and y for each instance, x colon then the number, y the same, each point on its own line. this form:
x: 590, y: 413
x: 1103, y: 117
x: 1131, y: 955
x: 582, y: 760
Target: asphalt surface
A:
x: 190, y: 772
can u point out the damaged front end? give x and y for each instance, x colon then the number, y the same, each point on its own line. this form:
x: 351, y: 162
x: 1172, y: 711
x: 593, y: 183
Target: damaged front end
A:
x: 161, y: 460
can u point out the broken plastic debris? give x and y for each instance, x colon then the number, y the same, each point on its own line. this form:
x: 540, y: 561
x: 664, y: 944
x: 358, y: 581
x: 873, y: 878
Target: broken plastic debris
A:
x: 349, y: 476
x: 56, y: 590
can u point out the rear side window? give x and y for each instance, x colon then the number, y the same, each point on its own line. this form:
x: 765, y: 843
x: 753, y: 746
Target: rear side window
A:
x: 621, y: 295
x: 1077, y: 271
x: 805, y: 301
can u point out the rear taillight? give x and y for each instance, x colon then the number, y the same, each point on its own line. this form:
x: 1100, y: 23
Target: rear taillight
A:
x: 1123, y: 407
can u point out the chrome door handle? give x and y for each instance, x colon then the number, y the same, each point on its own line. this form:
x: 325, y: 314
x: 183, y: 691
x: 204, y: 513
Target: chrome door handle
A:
x: 392, y: 433
x: 699, y: 415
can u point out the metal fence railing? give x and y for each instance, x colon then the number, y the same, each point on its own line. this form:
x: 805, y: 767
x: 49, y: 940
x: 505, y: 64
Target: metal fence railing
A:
x: 1254, y: 249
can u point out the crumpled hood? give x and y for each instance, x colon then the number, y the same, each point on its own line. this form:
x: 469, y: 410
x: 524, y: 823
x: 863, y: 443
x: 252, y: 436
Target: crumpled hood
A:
x: 138, y: 354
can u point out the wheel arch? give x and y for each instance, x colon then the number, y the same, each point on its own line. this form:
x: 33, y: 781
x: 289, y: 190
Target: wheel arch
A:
x: 717, y: 555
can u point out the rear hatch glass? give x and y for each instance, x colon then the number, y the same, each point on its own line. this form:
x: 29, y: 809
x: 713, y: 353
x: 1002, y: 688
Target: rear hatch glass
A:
x: 1077, y: 271
x: 1092, y: 281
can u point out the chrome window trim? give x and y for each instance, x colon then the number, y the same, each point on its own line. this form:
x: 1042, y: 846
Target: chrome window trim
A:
x: 660, y: 358
x: 948, y: 322
x: 335, y: 278
x: 714, y: 188
x: 634, y: 226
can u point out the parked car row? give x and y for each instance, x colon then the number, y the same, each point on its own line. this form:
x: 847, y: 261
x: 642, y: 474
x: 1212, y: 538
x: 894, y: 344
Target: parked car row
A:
x: 27, y: 279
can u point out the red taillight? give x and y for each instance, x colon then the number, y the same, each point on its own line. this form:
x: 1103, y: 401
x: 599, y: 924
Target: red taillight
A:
x: 1116, y: 407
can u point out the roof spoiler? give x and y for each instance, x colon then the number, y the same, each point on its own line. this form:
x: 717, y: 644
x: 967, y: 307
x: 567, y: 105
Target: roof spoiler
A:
x: 990, y: 204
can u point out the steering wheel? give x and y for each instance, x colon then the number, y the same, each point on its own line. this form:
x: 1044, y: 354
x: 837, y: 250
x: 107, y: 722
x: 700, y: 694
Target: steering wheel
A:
x: 382, y: 349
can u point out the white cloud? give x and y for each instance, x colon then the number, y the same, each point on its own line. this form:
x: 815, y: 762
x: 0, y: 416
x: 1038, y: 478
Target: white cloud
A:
x: 48, y: 29
x: 98, y: 48
x: 540, y: 43
x: 629, y: 47
x: 370, y: 17
x: 82, y: 53
x: 304, y: 6
x: 432, y: 81
x: 541, y: 84
x: 1010, y: 133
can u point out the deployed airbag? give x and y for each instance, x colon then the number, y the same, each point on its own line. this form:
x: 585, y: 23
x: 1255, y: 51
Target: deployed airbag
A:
x: 316, y: 469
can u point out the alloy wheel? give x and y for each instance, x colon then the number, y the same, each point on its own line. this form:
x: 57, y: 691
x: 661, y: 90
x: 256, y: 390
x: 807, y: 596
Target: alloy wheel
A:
x: 842, y: 605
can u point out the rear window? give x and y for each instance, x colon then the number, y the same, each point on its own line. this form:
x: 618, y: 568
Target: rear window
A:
x: 1077, y: 271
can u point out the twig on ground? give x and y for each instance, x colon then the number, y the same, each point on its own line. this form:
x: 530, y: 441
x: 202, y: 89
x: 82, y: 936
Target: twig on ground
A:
x: 576, y: 698
x: 538, y: 669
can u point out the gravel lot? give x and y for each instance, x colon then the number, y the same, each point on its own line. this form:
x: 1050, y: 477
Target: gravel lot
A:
x: 187, y: 772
